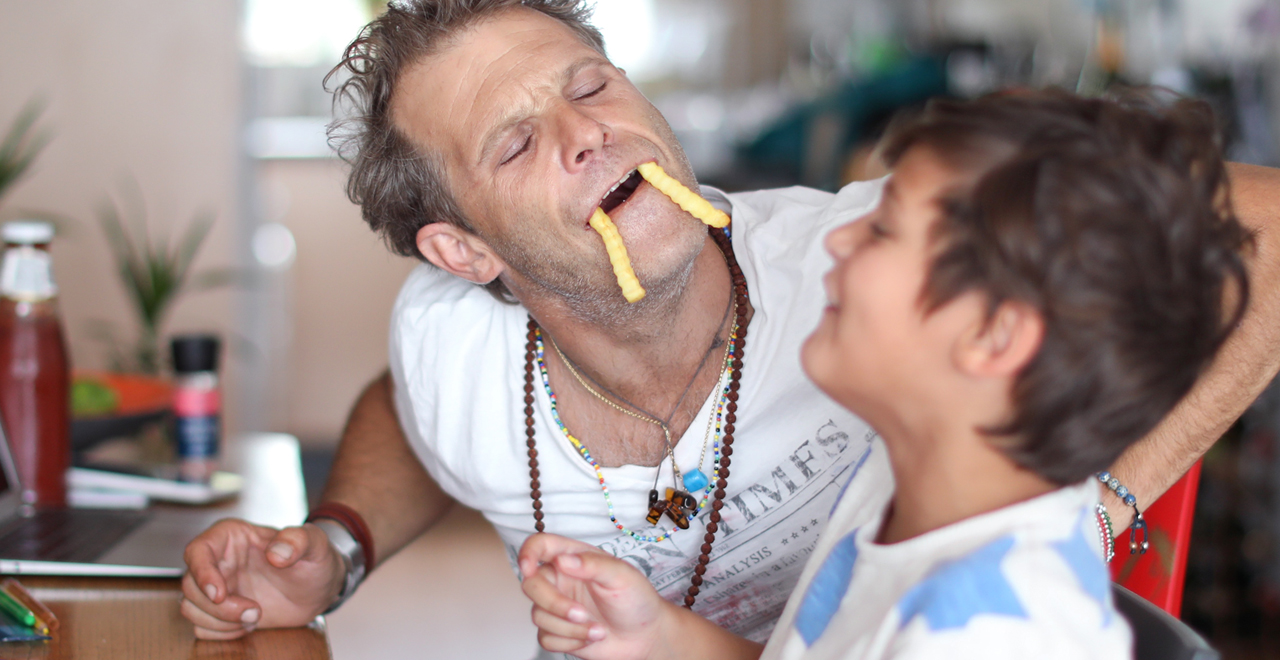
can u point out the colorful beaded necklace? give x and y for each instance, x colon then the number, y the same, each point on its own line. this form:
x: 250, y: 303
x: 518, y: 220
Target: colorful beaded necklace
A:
x: 533, y: 351
x: 586, y: 454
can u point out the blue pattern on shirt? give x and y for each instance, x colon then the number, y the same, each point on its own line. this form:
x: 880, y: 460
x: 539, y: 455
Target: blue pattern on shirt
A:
x: 827, y: 589
x: 962, y: 589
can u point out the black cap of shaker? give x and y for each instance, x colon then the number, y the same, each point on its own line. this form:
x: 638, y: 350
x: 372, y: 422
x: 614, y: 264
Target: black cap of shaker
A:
x: 192, y: 353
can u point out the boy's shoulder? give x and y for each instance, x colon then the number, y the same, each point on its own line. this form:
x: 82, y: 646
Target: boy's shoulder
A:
x: 1040, y: 590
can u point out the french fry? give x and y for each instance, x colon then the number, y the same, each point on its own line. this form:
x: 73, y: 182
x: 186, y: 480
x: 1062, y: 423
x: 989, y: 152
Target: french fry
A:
x: 631, y: 288
x: 690, y: 202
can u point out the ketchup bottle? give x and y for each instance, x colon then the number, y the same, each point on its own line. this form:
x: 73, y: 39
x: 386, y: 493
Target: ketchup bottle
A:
x: 34, y: 376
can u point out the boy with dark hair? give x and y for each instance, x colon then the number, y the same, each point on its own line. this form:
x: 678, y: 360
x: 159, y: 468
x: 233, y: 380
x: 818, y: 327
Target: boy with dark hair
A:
x: 1044, y: 278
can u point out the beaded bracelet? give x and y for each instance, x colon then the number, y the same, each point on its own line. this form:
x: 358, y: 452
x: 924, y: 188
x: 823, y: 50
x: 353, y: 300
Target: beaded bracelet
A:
x: 1139, y: 525
x: 1106, y: 532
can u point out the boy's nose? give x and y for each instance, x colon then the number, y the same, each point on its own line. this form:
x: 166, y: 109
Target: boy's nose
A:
x: 839, y: 243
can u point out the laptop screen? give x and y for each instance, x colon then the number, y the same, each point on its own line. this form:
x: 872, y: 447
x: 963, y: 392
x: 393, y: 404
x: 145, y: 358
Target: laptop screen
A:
x: 10, y: 497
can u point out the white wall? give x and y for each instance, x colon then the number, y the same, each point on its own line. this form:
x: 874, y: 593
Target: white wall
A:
x: 340, y: 291
x: 147, y: 89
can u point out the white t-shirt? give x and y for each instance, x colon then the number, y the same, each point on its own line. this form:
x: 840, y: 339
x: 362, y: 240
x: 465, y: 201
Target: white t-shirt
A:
x: 457, y: 359
x: 1025, y: 581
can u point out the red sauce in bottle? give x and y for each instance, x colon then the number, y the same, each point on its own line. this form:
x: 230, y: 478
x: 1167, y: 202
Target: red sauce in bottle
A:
x: 34, y: 372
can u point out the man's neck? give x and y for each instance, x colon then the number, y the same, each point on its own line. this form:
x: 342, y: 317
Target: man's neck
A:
x: 947, y: 475
x: 648, y: 355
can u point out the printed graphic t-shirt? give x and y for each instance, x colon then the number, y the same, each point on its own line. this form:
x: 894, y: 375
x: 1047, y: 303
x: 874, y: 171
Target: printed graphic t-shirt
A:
x: 457, y: 359
x: 1025, y: 581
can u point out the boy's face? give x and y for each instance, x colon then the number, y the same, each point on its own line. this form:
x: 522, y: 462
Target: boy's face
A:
x: 875, y: 351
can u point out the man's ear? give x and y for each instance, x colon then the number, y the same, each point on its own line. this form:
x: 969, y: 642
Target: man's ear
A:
x: 459, y: 252
x: 1004, y: 344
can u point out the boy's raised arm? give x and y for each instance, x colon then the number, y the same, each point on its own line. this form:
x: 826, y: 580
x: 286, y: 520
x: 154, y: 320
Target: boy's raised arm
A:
x: 1244, y: 366
x: 596, y: 606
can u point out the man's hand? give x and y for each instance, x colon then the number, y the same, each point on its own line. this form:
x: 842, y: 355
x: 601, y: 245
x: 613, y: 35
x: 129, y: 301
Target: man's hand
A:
x: 242, y: 576
x: 590, y: 603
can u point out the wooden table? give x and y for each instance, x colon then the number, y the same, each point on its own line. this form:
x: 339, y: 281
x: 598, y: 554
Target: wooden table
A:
x: 137, y: 619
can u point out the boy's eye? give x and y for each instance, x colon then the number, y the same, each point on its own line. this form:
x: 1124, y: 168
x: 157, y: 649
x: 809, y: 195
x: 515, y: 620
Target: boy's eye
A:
x: 878, y: 230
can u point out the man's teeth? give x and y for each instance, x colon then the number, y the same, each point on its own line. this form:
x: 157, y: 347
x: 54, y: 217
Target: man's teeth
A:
x: 616, y: 186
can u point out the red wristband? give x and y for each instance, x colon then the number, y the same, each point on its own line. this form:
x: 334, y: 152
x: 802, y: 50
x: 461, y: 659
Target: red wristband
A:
x: 347, y: 517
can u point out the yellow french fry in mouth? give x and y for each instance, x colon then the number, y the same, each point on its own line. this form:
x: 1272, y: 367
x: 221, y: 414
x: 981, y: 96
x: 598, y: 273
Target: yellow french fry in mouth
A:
x: 690, y: 202
x: 622, y: 270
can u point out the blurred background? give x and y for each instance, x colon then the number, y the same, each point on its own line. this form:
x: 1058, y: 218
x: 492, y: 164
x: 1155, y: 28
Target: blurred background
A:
x: 172, y: 114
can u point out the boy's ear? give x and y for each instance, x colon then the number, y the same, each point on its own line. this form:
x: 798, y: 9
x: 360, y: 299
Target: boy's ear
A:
x: 459, y: 252
x: 1003, y: 345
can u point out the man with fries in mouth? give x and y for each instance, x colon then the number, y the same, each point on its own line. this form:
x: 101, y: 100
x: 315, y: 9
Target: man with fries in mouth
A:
x: 589, y: 351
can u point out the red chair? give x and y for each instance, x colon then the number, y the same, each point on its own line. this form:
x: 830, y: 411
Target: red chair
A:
x: 1160, y: 574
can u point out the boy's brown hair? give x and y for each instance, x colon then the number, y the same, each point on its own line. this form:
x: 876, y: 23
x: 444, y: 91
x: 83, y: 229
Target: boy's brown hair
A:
x: 1111, y: 217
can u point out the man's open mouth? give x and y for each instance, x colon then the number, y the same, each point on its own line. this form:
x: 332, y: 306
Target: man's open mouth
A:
x: 621, y: 191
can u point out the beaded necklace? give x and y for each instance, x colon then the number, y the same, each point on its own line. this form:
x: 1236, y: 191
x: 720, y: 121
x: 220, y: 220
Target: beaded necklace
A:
x: 586, y: 454
x: 696, y: 480
x: 533, y: 353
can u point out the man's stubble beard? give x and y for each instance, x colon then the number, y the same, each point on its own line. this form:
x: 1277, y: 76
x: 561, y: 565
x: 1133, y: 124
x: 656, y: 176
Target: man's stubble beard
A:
x: 590, y: 290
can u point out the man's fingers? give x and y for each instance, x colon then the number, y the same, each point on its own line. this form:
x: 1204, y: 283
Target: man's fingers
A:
x: 203, y: 619
x: 205, y: 553
x: 292, y: 544
x: 202, y: 568
x: 234, y: 610
x: 205, y: 633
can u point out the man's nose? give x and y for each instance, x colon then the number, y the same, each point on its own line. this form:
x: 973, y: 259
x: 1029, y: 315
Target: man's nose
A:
x: 582, y: 137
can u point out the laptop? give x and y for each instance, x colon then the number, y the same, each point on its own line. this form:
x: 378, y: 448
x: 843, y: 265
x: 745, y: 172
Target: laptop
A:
x: 95, y: 542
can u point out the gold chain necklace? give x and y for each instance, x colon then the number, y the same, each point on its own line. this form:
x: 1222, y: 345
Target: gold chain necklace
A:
x: 666, y: 430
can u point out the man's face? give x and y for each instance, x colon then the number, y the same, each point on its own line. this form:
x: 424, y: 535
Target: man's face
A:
x: 875, y: 349
x: 534, y: 128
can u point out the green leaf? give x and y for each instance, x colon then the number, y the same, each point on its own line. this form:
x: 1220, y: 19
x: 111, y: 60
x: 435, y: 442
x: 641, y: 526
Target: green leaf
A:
x: 21, y: 144
x: 155, y: 271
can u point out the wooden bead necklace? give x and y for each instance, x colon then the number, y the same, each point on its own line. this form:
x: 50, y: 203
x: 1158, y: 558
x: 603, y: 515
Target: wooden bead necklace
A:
x: 682, y: 517
x: 741, y: 299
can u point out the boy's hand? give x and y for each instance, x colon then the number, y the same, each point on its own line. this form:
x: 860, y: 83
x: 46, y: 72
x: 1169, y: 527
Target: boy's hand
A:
x: 589, y: 603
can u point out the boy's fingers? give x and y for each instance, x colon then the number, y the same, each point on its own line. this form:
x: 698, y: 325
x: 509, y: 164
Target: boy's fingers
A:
x: 553, y: 625
x: 557, y: 644
x: 541, y: 588
x: 542, y: 548
x: 604, y: 570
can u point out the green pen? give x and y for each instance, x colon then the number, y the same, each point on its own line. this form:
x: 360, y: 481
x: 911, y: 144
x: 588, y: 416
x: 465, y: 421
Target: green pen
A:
x: 17, y: 610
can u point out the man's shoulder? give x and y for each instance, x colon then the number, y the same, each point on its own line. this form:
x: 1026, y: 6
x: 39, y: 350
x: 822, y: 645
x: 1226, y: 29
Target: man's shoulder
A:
x: 808, y: 204
x: 428, y: 289
x: 436, y: 311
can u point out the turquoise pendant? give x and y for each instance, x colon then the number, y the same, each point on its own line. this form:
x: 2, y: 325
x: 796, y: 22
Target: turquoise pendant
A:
x: 695, y: 481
